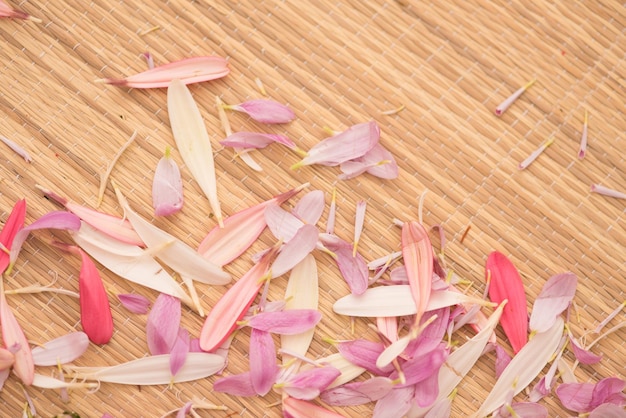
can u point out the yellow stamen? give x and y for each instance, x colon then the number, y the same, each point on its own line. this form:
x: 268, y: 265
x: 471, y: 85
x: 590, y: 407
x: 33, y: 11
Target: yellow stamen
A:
x: 530, y: 83
x: 259, y: 84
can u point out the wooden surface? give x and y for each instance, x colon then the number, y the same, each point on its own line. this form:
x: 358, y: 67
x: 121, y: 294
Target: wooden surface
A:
x: 335, y: 63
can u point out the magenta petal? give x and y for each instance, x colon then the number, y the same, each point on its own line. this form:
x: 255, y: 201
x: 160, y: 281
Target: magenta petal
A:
x: 283, y: 224
x: 266, y: 111
x: 358, y: 393
x: 179, y: 351
x: 237, y: 385
x: 502, y: 360
x: 606, y: 389
x: 302, y: 243
x: 163, y: 324
x: 555, y: 296
x: 530, y: 410
x: 608, y: 410
x: 308, y: 384
x: 263, y: 368
x: 430, y: 338
x: 353, y: 269
x: 52, y: 220
x: 540, y: 390
x: 289, y: 322
x: 135, y: 303
x: 182, y: 412
x: 576, y: 396
x: 395, y: 404
x: 167, y: 187
x: 582, y: 355
x: 423, y: 367
x: 427, y: 390
x: 255, y: 140
x: 310, y: 207
x: 363, y: 353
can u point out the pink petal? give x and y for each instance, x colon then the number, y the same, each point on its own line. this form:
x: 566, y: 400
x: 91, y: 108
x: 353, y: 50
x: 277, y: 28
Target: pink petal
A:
x: 502, y: 360
x: 221, y: 321
x: 188, y: 70
x: 608, y: 390
x: 179, y: 351
x: 263, y: 368
x: 163, y: 324
x: 417, y: 253
x: 582, y: 355
x: 12, y: 334
x: 8, y: 11
x: 307, y: 385
x: 348, y: 145
x: 265, y: 111
x: 95, y: 311
x: 421, y: 368
x: 530, y: 410
x: 608, y: 410
x: 4, y: 375
x: 442, y: 408
x: 427, y: 391
x: 431, y: 336
x: 395, y: 404
x: 114, y: 226
x: 296, y: 408
x: 51, y: 220
x: 283, y: 224
x: 61, y: 350
x: 289, y: 322
x: 605, y: 191
x: 363, y: 353
x: 378, y: 162
x: 502, y: 107
x: 555, y: 296
x: 167, y: 187
x: 358, y: 393
x: 240, y: 231
x: 135, y: 303
x: 255, y: 140
x: 310, y: 207
x: 302, y: 243
x: 353, y: 268
x: 17, y: 149
x: 11, y: 227
x: 7, y: 358
x: 236, y: 385
x: 506, y: 283
x: 576, y: 396
x: 359, y: 220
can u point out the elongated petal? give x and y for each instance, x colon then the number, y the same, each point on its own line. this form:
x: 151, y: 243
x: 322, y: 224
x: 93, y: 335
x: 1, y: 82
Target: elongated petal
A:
x: 7, y: 358
x: 348, y: 145
x: 555, y: 296
x: 301, y: 245
x: 310, y: 207
x: 236, y: 385
x: 8, y: 11
x: 358, y: 393
x: 180, y: 349
x: 47, y: 382
x: 603, y: 190
x: 151, y: 370
x: 461, y: 361
x: 281, y: 223
x: 421, y: 368
x: 128, y: 261
x: 529, y: 410
x: 15, y: 147
x: 535, y: 154
x: 51, y: 220
x: 223, y: 245
x: 363, y: 353
x: 135, y: 303
x: 359, y: 220
x: 297, y: 408
x: 265, y: 111
x: 255, y: 140
x: 378, y: 162
x: 396, y: 301
x: 163, y: 324
x: 263, y: 368
x: 349, y: 371
x: 288, y: 322
x: 524, y: 367
x: 502, y: 107
x: 95, y: 311
x: 172, y: 251
x: 193, y: 142
x: 582, y: 150
x: 12, y: 225
x: 188, y: 71
x: 502, y: 360
x: 395, y: 404
x: 12, y: 334
x: 309, y: 384
x: 114, y: 226
x: 61, y: 350
x: 352, y: 267
x: 417, y: 253
x: 506, y: 283
x: 232, y: 306
x: 302, y: 292
x: 167, y: 187
x: 430, y: 337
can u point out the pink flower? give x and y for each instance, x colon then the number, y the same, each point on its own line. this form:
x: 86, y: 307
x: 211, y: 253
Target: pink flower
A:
x: 264, y: 111
x: 188, y: 71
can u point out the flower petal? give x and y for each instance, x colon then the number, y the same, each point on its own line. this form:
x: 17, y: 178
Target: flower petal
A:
x: 61, y: 350
x: 352, y: 266
x: 281, y: 223
x: 288, y: 322
x: 255, y: 140
x: 188, y: 70
x: 363, y: 353
x: 167, y: 186
x: 12, y: 334
x: 358, y: 393
x: 265, y: 111
x: 302, y: 243
x: 417, y: 253
x: 310, y: 207
x: 13, y: 224
x: 502, y: 107
x: 297, y: 408
x: 395, y: 404
x: 236, y: 385
x: 179, y: 351
x: 263, y: 367
x: 163, y: 324
x: 135, y: 303
x: 555, y: 296
x: 308, y: 384
x: 582, y: 355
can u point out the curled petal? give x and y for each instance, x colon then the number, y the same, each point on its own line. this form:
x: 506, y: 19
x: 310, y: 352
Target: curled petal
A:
x: 582, y: 355
x: 188, y: 71
x: 535, y: 154
x: 582, y: 150
x: 163, y: 324
x: 308, y: 384
x: 167, y: 187
x: 352, y: 266
x: 265, y: 111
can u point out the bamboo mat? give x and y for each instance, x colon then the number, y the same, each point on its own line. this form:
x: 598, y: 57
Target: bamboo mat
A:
x: 335, y: 63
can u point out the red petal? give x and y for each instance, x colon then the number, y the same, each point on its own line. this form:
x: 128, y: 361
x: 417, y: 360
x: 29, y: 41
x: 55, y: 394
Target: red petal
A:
x: 14, y: 223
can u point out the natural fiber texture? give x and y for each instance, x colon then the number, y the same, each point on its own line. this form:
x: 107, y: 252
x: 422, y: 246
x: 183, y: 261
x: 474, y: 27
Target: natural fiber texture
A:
x: 336, y: 63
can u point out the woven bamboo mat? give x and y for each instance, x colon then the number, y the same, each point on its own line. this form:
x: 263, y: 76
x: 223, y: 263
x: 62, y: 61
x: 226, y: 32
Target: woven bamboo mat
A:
x: 336, y: 63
